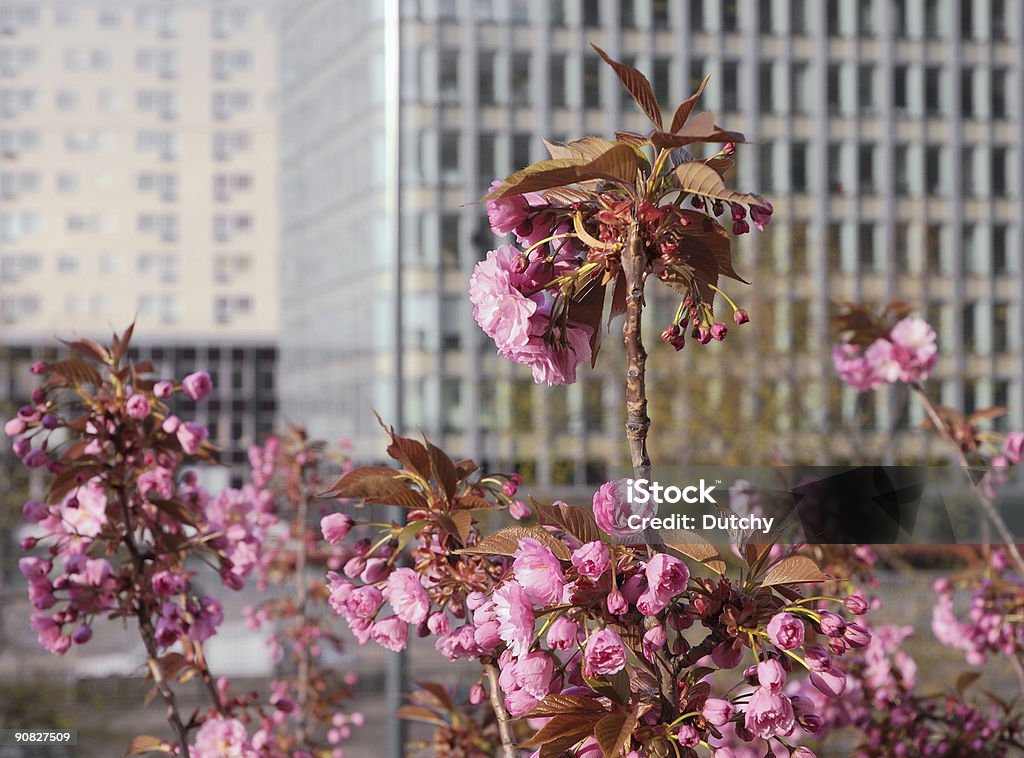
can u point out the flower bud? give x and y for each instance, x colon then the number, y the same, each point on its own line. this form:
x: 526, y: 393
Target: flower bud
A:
x: 477, y: 694
x: 82, y: 635
x: 718, y: 712
x: 719, y: 331
x: 616, y: 603
x: 740, y: 316
x: 832, y: 624
x: 38, y: 368
x: 856, y: 605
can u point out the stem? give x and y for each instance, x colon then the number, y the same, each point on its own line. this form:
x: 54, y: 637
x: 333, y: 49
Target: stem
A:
x: 302, y: 597
x: 634, y: 265
x: 986, y: 504
x: 508, y: 748
x: 148, y: 633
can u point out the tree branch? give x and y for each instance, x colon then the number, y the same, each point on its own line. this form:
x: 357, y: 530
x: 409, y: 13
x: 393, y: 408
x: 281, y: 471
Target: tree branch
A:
x: 986, y: 504
x: 508, y: 743
x: 634, y: 265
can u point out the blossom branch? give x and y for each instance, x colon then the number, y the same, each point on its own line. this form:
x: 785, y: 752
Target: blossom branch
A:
x: 985, y: 502
x: 508, y: 749
x: 637, y: 422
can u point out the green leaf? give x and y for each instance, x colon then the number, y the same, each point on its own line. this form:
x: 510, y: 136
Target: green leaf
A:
x: 637, y: 86
x: 409, y: 531
x: 506, y: 542
x: 796, y: 569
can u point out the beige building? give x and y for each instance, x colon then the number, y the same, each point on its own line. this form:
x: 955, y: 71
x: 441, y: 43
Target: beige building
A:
x: 138, y: 180
x: 138, y: 170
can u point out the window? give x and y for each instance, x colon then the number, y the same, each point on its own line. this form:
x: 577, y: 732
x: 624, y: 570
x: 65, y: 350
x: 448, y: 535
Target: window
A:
x: 866, y: 18
x: 225, y: 145
x: 932, y: 20
x: 485, y: 83
x: 730, y: 17
x: 832, y: 21
x: 591, y: 13
x: 904, y: 255
x: 866, y: 89
x: 932, y: 170
x: 800, y: 85
x: 109, y: 18
x: 449, y: 154
x: 900, y: 103
x: 967, y: 93
x: 660, y: 13
x: 697, y: 23
x: 67, y: 18
x: 834, y: 89
x: 520, y: 150
x: 998, y: 20
x: 1000, y: 327
x: 967, y: 173
x: 627, y: 14
x: 1000, y: 161
x: 229, y: 266
x: 556, y: 81
x: 968, y: 322
x: 227, y: 104
x: 866, y: 169
x: 967, y: 19
x: 162, y: 307
x: 228, y: 308
x: 448, y: 76
x: 899, y: 17
x: 766, y: 162
x: 866, y: 248
x: 227, y: 226
x: 591, y: 82
x: 67, y: 182
x: 766, y: 89
x: 224, y: 22
x: 1000, y: 87
x: 660, y: 81
x: 228, y: 63
x: 1000, y: 238
x: 161, y: 143
x: 520, y: 79
x: 798, y: 17
x: 486, y: 166
x: 798, y: 167
x: 835, y: 168
x: 901, y: 169
x: 933, y: 91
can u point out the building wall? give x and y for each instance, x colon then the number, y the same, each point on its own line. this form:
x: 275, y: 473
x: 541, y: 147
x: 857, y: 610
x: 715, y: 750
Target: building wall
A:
x: 886, y: 134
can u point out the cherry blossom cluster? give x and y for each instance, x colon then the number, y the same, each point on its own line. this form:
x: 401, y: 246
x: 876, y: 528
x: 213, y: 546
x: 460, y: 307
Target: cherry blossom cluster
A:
x: 907, y: 353
x: 992, y: 624
x: 580, y: 626
x: 882, y: 706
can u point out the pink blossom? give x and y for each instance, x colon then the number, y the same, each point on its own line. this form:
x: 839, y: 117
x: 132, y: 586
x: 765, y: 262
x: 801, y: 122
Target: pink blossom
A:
x: 163, y: 389
x: 605, y: 653
x: 222, y: 738
x: 666, y: 576
x: 407, y: 596
x: 854, y: 369
x: 499, y: 306
x: 612, y: 509
x: 688, y: 736
x: 650, y: 604
x: 364, y: 602
x: 460, y: 643
x: 519, y: 510
x: 830, y: 681
x: 919, y: 351
x: 1013, y: 447
x: 15, y: 426
x: 198, y: 385
x: 84, y: 511
x: 391, y: 633
x: 786, y: 631
x: 770, y: 674
x: 616, y: 603
x: 191, y: 436
x: 526, y: 681
x: 769, y: 714
x: 592, y: 559
x: 138, y: 407
x: 718, y: 712
x: 157, y: 483
x: 166, y: 584
x: 555, y: 363
x: 82, y: 634
x: 654, y: 640
x: 538, y: 571
x: 514, y: 614
x: 335, y: 527
x: 207, y: 616
x: 35, y: 511
x: 438, y: 623
x: 562, y: 634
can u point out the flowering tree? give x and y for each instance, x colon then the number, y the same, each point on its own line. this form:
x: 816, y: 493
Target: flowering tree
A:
x: 606, y: 648
x: 122, y: 523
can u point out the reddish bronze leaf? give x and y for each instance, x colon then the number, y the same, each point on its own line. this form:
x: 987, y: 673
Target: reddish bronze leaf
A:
x: 77, y: 372
x: 554, y: 705
x: 613, y: 732
x: 367, y: 481
x: 564, y: 726
x: 686, y: 107
x: 699, y: 179
x: 618, y: 164
x: 637, y: 86
x: 573, y: 520
x: 146, y: 743
x: 796, y: 569
x: 444, y: 469
x: 585, y: 308
x: 506, y: 542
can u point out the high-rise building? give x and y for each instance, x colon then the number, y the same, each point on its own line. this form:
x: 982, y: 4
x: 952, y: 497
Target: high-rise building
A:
x: 138, y: 181
x: 887, y: 133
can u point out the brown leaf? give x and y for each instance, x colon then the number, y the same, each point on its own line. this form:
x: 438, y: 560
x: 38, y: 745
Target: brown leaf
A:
x: 411, y: 454
x: 402, y: 496
x: 632, y: 138
x: 90, y: 349
x: 618, y: 163
x: 564, y: 726
x: 571, y: 519
x: 367, y: 481
x: 637, y: 86
x: 613, y: 732
x: 566, y: 196
x: 443, y: 469
x: 439, y: 692
x: 78, y: 372
x: 714, y: 242
x: 586, y: 308
x: 796, y: 569
x: 698, y: 549
x: 463, y: 521
x: 506, y: 542
x: 686, y: 107
x: 146, y: 743
x: 553, y: 705
x: 417, y: 713
x: 698, y: 179
x: 985, y: 414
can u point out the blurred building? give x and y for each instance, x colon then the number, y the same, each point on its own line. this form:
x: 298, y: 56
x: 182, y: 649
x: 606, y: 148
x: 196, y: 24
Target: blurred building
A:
x: 887, y: 134
x: 138, y: 182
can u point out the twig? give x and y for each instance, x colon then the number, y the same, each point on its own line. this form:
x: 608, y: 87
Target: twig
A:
x: 634, y: 265
x: 508, y: 749
x: 148, y: 633
x: 986, y: 503
x: 302, y: 597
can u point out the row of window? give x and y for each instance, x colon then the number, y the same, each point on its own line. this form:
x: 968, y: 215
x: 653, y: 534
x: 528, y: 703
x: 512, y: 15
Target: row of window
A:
x: 165, y: 227
x: 165, y: 266
x: 162, y: 20
x: 162, y: 307
x: 163, y: 103
x: 903, y: 19
x: 164, y: 144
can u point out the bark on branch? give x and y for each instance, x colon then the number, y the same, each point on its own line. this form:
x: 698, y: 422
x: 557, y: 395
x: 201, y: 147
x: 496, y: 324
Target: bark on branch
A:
x: 634, y: 265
